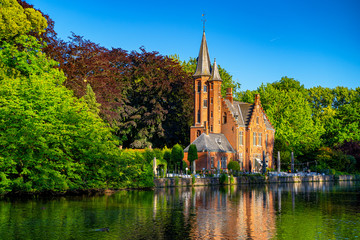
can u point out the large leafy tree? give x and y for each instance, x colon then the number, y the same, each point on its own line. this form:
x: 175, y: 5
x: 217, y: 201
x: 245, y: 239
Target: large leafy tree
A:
x: 146, y: 97
x: 286, y: 105
x: 337, y: 111
x: 50, y: 140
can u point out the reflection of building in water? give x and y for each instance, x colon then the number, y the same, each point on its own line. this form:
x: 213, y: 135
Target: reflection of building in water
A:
x: 234, y: 213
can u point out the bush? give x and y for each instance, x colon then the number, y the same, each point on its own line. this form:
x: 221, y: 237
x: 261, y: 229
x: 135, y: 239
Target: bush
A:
x: 233, y: 166
x: 224, y: 179
x: 149, y: 155
x: 328, y: 158
x: 176, y: 181
x: 232, y: 180
x: 193, y: 179
x: 176, y: 157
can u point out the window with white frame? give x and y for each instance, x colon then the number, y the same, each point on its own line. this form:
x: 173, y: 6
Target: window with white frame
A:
x: 266, y: 140
x: 260, y: 139
x: 223, y: 162
x: 241, y: 160
x: 254, y: 138
x: 241, y: 138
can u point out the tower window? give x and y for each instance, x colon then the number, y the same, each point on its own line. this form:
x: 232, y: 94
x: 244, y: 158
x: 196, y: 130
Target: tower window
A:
x: 198, y: 116
x: 211, y: 128
x: 205, y: 88
x: 211, y: 100
x: 205, y: 103
x: 211, y: 114
x: 257, y: 120
x: 211, y: 86
x: 199, y: 86
x: 254, y: 138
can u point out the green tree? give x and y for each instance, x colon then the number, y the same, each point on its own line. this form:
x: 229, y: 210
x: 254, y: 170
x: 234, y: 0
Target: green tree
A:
x: 233, y: 166
x: 90, y: 100
x: 286, y: 105
x: 192, y: 154
x: 336, y: 110
x: 177, y: 156
x: 49, y: 140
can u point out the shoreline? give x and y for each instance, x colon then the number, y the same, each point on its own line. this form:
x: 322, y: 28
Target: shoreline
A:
x: 250, y: 179
x: 187, y: 182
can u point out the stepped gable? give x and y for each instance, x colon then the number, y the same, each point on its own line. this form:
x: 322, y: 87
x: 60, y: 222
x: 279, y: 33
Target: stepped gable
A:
x: 214, y: 142
x: 242, y: 113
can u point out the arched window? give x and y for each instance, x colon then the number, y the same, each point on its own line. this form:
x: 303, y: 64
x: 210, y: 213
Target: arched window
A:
x: 224, y: 118
x: 198, y: 133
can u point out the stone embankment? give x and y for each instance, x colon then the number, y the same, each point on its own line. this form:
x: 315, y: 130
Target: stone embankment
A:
x: 249, y: 179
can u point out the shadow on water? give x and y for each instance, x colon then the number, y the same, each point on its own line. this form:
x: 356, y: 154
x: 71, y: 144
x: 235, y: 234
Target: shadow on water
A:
x: 277, y: 211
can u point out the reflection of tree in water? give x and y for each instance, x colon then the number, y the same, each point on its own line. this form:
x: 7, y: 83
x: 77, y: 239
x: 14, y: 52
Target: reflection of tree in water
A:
x: 280, y: 211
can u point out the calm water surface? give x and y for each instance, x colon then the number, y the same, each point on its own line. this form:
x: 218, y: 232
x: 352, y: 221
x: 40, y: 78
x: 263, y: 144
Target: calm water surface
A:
x: 291, y: 211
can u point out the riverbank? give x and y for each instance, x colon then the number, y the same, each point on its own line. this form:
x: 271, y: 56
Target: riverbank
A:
x: 250, y: 179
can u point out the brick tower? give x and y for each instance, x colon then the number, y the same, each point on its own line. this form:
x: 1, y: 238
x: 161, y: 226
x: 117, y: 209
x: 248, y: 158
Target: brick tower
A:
x: 201, y: 77
x: 214, y: 114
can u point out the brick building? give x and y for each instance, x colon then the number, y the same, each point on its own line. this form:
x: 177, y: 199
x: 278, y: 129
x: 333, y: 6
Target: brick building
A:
x: 225, y: 130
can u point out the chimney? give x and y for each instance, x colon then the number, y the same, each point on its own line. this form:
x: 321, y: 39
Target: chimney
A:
x: 229, y: 95
x: 206, y: 128
x: 257, y: 99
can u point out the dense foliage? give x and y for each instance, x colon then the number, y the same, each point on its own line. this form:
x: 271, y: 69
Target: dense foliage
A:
x: 144, y: 96
x: 51, y: 140
x: 320, y: 125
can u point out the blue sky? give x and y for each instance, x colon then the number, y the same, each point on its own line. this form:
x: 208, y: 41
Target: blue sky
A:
x: 315, y: 42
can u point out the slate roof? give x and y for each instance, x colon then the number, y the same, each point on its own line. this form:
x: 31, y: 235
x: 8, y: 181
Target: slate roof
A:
x: 242, y: 112
x: 215, y: 75
x: 203, y: 67
x: 214, y: 142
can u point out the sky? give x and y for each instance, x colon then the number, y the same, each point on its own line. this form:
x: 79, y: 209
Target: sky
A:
x: 316, y: 42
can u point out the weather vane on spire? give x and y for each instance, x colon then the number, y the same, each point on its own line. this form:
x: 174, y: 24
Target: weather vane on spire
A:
x: 203, y: 20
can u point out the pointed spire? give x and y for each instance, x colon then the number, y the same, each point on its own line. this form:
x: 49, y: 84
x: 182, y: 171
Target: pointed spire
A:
x: 203, y: 61
x: 215, y: 75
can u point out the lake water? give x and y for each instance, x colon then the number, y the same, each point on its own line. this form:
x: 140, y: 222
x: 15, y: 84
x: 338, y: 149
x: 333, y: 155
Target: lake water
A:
x: 292, y: 211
